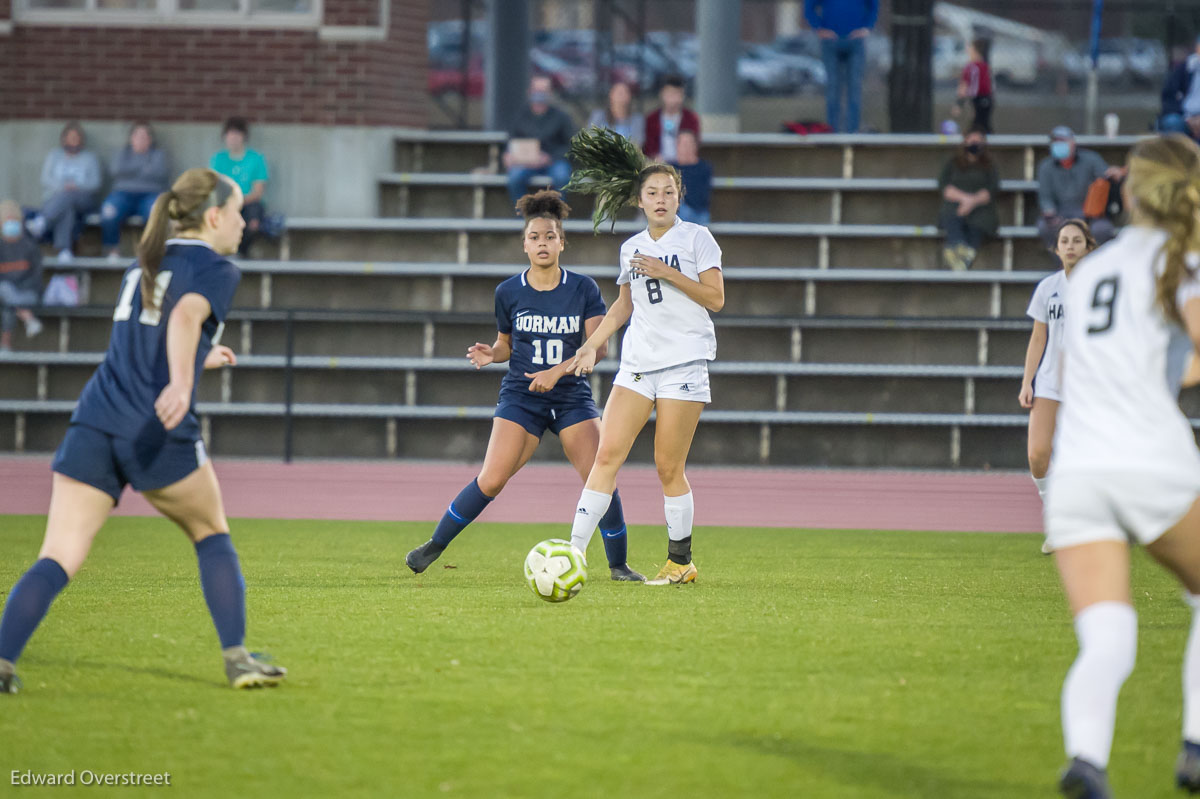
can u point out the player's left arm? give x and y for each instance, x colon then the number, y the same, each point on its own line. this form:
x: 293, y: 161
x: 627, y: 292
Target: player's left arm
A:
x: 183, y: 339
x: 1190, y: 311
x: 708, y: 291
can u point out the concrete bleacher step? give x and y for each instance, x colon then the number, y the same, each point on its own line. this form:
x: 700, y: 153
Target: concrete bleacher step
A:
x: 768, y: 155
x: 898, y: 201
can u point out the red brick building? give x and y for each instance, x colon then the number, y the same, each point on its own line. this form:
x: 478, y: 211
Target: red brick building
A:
x: 322, y: 62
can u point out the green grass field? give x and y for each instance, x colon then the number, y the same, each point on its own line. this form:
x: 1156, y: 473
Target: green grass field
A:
x: 802, y: 664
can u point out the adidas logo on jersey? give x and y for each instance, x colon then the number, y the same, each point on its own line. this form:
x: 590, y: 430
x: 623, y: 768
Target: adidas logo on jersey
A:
x: 582, y: 510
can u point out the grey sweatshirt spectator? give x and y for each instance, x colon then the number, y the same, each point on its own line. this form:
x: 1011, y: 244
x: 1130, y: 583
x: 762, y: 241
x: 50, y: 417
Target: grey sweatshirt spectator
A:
x: 1063, y: 180
x: 20, y: 275
x: 553, y: 129
x: 619, y: 116
x: 139, y: 172
x: 71, y: 176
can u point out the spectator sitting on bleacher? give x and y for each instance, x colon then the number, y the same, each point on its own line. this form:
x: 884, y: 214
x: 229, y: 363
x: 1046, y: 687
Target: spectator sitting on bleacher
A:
x: 969, y: 184
x: 697, y: 177
x: 248, y: 169
x: 71, y: 176
x: 538, y: 141
x: 664, y: 123
x: 619, y: 116
x: 1064, y: 178
x: 20, y: 275
x: 139, y: 171
x: 1181, y: 98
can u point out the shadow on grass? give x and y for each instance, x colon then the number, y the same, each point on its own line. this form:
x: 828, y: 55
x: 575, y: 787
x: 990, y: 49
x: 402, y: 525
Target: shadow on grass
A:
x: 150, y: 671
x: 889, y: 773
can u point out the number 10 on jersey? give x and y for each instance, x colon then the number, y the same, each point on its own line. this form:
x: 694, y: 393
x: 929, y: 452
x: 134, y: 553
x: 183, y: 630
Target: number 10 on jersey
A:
x: 554, y: 351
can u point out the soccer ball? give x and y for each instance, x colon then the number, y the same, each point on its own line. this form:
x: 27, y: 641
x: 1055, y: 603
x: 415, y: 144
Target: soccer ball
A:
x: 555, y: 570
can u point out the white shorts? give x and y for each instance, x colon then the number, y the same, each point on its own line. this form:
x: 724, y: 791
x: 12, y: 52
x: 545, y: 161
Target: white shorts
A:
x: 1043, y: 389
x: 687, y: 381
x: 1083, y: 507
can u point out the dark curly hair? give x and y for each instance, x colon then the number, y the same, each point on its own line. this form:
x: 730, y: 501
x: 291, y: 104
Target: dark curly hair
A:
x: 544, y: 204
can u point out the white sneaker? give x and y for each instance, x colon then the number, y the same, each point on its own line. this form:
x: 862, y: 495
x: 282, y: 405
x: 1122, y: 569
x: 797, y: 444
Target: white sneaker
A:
x: 65, y: 256
x: 36, y: 226
x: 33, y: 327
x: 1046, y: 550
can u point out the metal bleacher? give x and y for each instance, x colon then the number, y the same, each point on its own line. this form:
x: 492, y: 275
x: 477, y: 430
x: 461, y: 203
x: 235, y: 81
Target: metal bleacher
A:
x: 842, y: 341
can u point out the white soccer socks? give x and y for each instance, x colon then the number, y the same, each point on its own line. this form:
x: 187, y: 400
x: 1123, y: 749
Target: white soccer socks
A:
x: 592, y: 505
x: 1107, y: 633
x: 1191, y: 675
x: 679, y: 512
x: 1041, y: 483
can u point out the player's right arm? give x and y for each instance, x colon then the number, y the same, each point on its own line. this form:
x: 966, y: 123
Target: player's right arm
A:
x: 500, y: 351
x: 1033, y: 356
x: 618, y: 314
x: 183, y: 339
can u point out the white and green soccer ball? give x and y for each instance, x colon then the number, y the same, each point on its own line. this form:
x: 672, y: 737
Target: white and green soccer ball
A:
x: 555, y: 570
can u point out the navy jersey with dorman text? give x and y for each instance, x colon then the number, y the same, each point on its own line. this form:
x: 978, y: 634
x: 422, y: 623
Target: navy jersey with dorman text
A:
x: 119, y: 398
x: 547, y: 327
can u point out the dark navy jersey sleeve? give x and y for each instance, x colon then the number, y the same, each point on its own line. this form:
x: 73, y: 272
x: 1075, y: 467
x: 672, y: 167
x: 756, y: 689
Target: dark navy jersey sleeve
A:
x: 595, y: 301
x: 217, y: 284
x: 503, y: 314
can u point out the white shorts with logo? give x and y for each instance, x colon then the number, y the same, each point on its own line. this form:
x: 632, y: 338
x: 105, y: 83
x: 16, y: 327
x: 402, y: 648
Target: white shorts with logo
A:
x: 687, y: 381
x: 1083, y: 507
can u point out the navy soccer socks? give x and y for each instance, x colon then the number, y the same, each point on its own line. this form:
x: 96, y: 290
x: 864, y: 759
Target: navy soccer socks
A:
x: 465, y: 509
x: 224, y: 588
x: 612, y: 530
x: 27, y: 605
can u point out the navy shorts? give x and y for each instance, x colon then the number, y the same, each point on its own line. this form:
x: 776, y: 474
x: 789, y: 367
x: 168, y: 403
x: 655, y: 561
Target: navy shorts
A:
x: 538, y: 416
x: 110, y: 463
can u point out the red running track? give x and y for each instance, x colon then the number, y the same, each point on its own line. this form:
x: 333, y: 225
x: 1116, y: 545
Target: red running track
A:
x: 420, y: 491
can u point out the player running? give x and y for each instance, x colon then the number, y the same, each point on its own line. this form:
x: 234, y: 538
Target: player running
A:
x: 670, y: 279
x: 1043, y: 359
x: 1126, y: 467
x: 542, y: 316
x: 134, y: 423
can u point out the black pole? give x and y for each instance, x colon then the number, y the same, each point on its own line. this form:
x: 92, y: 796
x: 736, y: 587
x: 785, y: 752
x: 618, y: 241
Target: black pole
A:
x: 464, y: 65
x: 287, y: 387
x: 910, y: 84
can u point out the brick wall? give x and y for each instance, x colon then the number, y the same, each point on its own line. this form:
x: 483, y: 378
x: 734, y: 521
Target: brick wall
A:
x: 198, y: 74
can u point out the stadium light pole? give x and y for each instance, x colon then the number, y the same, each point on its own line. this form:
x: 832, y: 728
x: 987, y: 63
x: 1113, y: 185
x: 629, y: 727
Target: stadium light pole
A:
x: 506, y: 62
x: 719, y: 24
x: 1092, y: 99
x: 910, y: 83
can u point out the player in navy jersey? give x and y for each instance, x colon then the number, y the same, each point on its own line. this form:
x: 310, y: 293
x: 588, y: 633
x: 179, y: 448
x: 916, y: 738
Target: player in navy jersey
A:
x: 542, y: 316
x: 134, y: 423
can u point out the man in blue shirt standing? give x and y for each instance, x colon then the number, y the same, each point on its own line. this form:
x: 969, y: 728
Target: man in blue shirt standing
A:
x: 843, y: 27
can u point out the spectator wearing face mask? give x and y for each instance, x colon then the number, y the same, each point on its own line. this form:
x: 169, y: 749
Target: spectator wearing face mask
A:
x: 20, y: 275
x: 71, y: 176
x: 538, y: 141
x: 969, y: 184
x: 1063, y: 181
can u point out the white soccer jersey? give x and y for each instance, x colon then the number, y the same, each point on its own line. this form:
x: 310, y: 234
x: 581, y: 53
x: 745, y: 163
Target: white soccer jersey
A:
x: 1124, y: 363
x: 667, y: 327
x: 1047, y: 306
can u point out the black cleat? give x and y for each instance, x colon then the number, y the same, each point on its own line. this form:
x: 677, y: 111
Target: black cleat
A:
x: 1187, y: 768
x: 1082, y: 780
x: 10, y: 683
x: 423, y: 556
x: 624, y: 574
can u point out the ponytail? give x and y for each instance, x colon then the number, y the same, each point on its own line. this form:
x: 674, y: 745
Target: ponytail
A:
x: 179, y: 210
x: 612, y: 167
x: 1164, y: 181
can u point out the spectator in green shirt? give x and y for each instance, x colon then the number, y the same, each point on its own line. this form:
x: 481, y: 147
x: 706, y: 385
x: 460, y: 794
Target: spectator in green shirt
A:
x: 969, y: 184
x: 248, y: 169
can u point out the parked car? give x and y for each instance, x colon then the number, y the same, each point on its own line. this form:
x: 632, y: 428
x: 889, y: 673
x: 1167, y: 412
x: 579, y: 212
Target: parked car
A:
x: 761, y: 70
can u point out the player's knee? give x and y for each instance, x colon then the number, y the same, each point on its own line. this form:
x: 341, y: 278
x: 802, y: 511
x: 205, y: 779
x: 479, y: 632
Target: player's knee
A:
x: 668, y: 473
x: 491, y: 484
x: 1039, y: 460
